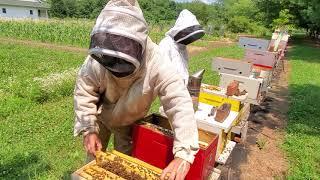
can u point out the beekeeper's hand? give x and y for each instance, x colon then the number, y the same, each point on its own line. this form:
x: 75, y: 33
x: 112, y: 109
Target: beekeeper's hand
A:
x: 177, y: 170
x: 92, y: 143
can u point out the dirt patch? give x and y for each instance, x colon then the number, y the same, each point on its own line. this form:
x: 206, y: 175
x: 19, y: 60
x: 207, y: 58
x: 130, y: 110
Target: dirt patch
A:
x: 192, y: 50
x: 195, y: 50
x: 45, y: 45
x: 225, y: 41
x: 216, y: 44
x: 261, y: 157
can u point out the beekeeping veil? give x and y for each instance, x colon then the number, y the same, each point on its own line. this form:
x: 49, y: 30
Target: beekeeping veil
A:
x: 119, y: 37
x: 187, y: 29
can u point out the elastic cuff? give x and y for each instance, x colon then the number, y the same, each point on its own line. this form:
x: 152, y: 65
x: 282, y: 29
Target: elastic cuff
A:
x: 183, y: 154
x: 90, y: 130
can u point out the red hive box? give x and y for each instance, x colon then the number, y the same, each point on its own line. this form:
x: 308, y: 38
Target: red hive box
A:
x: 155, y: 147
x: 261, y: 58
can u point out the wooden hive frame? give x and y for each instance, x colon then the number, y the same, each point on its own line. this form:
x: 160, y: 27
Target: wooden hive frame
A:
x: 93, y: 170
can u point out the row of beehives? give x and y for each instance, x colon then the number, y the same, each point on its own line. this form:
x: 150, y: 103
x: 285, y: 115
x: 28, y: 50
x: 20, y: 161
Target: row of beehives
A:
x: 217, y: 137
x: 255, y: 71
x: 242, y: 82
x: 153, y: 139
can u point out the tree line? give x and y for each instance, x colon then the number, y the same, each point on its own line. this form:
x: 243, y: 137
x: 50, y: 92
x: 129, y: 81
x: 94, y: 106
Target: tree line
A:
x: 236, y: 16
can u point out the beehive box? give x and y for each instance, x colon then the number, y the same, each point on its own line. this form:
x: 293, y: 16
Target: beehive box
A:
x: 116, y: 166
x: 266, y: 74
x: 254, y: 43
x: 223, y: 129
x: 215, y: 96
x: 232, y: 66
x: 253, y: 86
x: 154, y: 146
x: 261, y: 58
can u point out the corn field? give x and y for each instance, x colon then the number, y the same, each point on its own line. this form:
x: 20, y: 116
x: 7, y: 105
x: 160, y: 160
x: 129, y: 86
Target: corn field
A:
x: 67, y: 32
x: 71, y: 32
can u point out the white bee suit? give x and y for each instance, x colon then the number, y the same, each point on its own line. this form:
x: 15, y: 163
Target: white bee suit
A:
x: 102, y: 100
x: 173, y: 49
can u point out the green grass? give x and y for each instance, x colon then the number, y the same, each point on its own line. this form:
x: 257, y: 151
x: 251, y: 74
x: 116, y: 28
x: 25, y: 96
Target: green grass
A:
x: 36, y: 126
x: 302, y: 141
x: 39, y: 143
x: 36, y: 109
x: 20, y: 68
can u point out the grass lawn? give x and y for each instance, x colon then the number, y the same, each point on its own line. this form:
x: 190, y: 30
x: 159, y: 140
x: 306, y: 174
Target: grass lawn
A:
x: 303, y: 132
x: 37, y: 119
x: 36, y: 109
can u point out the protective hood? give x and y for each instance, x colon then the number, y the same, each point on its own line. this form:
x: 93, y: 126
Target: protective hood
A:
x: 187, y: 29
x: 119, y: 37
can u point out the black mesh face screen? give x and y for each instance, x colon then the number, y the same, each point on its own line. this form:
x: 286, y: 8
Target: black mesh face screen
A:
x: 185, y: 32
x: 192, y: 38
x: 117, y: 43
x: 118, y: 67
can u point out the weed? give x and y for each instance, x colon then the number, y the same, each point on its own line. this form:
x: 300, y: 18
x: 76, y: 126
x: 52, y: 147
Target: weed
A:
x: 261, y: 143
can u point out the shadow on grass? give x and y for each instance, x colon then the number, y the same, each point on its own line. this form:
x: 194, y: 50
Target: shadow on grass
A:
x: 304, y: 114
x: 302, y: 138
x: 23, y: 167
x: 67, y: 175
x: 305, y: 50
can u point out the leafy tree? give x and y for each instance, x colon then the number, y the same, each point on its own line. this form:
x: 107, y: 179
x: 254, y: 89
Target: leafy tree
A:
x: 58, y: 9
x: 156, y: 11
x: 234, y: 15
x: 269, y: 9
x: 198, y: 8
x: 99, y: 5
x: 85, y: 8
x: 301, y: 13
x: 71, y: 8
x: 239, y: 24
x: 284, y: 21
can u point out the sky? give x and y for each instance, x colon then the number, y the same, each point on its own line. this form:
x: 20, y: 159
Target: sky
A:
x: 205, y: 1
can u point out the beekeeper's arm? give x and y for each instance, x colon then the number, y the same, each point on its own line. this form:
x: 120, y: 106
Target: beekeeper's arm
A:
x: 86, y: 98
x: 177, y: 104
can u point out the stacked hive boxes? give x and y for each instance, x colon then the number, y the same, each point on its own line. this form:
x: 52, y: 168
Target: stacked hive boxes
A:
x: 153, y: 143
x: 253, y: 74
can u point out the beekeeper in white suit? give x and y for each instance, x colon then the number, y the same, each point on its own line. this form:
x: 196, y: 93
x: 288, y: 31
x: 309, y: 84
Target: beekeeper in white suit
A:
x: 119, y: 80
x: 186, y: 30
